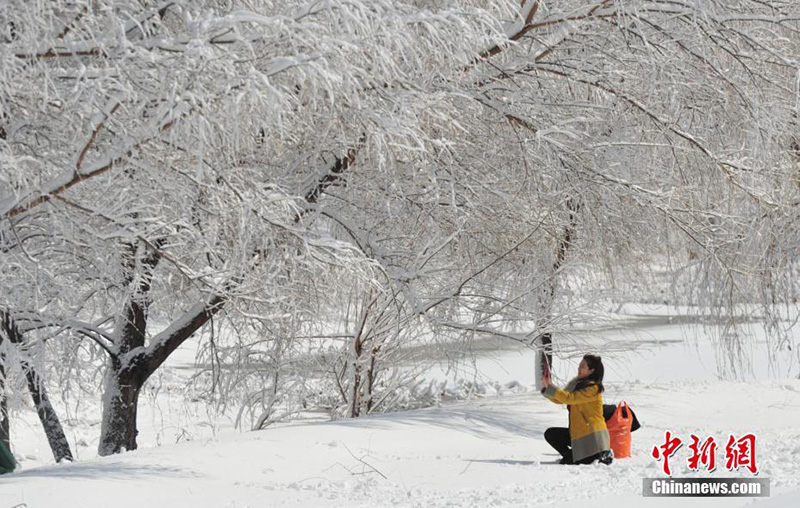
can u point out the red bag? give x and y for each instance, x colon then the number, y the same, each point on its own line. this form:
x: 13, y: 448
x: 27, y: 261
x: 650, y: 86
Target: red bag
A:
x: 619, y: 429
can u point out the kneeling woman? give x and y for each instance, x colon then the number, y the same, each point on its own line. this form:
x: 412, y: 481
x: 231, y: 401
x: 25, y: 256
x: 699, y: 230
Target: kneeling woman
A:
x: 586, y: 439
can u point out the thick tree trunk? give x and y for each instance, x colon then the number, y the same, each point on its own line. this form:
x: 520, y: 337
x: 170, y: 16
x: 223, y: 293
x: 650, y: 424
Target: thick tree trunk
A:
x: 371, y: 374
x: 120, y: 404
x: 125, y: 378
x: 47, y: 415
x: 355, y: 402
x: 5, y: 426
x: 127, y: 374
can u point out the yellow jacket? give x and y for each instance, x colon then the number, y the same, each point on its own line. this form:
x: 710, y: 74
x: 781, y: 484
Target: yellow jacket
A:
x: 587, y: 427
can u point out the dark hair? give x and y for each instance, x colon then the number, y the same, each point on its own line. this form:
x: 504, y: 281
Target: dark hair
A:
x: 595, y: 364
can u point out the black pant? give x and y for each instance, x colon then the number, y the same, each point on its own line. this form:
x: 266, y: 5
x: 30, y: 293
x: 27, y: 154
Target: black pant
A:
x: 558, y: 437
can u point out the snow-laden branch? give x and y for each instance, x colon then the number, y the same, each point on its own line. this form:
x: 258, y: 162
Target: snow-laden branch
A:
x: 729, y: 168
x: 11, y: 206
x: 168, y: 340
x: 91, y: 48
x: 515, y: 31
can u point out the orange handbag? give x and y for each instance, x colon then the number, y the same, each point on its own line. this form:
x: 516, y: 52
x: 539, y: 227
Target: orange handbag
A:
x: 619, y: 429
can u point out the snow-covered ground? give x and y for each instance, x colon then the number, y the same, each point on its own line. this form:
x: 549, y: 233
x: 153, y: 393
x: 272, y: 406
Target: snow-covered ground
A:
x: 485, y: 452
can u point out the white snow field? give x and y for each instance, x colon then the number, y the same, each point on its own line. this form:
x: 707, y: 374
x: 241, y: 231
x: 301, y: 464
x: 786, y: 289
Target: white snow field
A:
x: 489, y: 451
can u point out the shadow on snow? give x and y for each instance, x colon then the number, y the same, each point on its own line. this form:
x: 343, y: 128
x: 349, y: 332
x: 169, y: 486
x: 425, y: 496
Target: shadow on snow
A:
x: 104, y: 470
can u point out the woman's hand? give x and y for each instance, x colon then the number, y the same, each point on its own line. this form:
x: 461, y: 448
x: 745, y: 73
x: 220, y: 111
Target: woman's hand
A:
x: 546, y: 378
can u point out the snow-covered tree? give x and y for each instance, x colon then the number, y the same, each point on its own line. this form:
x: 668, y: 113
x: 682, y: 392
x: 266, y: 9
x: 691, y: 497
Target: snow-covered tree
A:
x: 439, y: 167
x: 175, y: 150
